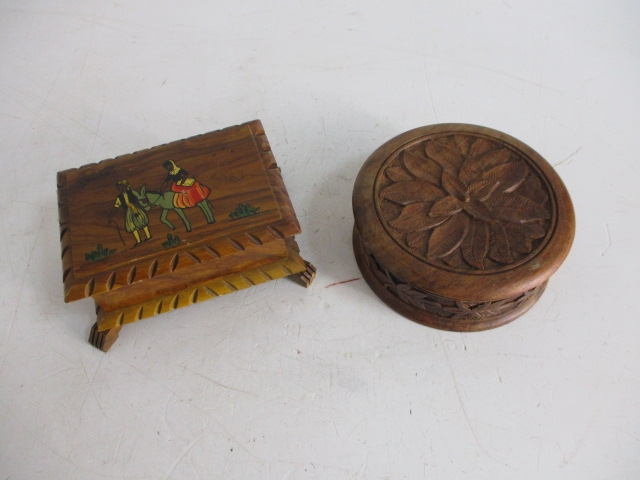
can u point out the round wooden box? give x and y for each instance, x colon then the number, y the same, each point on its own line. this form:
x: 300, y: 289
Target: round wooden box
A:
x: 459, y: 227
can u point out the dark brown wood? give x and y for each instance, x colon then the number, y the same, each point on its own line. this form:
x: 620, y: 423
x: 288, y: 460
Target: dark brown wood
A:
x: 459, y: 227
x: 167, y: 227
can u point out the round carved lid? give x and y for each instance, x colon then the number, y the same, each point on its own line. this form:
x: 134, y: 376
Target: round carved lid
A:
x: 463, y: 211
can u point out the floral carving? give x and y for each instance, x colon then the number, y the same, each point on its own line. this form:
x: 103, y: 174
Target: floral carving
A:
x: 465, y: 202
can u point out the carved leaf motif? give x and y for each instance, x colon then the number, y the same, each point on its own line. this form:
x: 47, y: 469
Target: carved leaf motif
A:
x: 463, y: 142
x: 473, y: 166
x: 458, y: 310
x: 454, y: 259
x: 445, y: 157
x: 516, y: 208
x: 518, y: 240
x: 469, y: 171
x: 453, y: 185
x: 410, y: 295
x: 445, y: 206
x: 480, y: 147
x: 481, y: 162
x: 494, y: 158
x: 414, y: 191
x: 533, y: 230
x: 499, y: 249
x: 417, y: 240
x: 421, y: 167
x: 483, y: 189
x: 476, y: 244
x: 478, y: 210
x: 510, y: 175
x: 447, y: 237
x: 397, y: 174
x: 532, y: 188
x: 414, y: 218
x: 480, y: 200
x: 383, y: 275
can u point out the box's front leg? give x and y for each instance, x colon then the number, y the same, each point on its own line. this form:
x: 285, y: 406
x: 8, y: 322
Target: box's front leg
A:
x: 108, y: 324
x: 103, y: 339
x: 307, y: 274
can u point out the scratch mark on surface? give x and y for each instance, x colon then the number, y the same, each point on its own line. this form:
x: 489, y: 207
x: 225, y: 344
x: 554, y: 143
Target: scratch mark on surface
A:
x: 236, y: 316
x: 464, y: 408
x: 462, y: 340
x: 458, y: 394
x: 426, y: 79
x: 90, y: 387
x: 539, y: 450
x: 22, y: 282
x: 608, y: 246
x: 182, y: 454
x: 579, y: 445
x: 36, y: 435
x: 342, y: 282
x: 567, y: 158
x: 183, y: 362
x: 166, y: 408
x: 43, y: 102
x: 118, y: 445
x: 221, y: 384
x: 96, y: 135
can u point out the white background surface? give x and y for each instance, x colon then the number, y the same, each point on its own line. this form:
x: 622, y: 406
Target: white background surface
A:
x: 279, y: 382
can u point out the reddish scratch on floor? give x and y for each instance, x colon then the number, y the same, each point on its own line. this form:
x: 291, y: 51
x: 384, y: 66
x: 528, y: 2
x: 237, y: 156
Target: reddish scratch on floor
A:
x: 343, y: 281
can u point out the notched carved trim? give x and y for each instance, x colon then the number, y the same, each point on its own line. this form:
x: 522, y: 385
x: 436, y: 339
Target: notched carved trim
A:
x: 197, y: 293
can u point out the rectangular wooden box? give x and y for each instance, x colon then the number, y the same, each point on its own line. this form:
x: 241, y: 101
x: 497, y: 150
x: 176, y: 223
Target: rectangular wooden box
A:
x: 160, y: 229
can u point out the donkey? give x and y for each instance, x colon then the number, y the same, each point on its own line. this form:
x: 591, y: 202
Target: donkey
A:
x: 166, y: 202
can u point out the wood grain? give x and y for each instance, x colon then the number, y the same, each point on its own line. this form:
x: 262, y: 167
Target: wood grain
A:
x: 172, y: 225
x: 459, y: 226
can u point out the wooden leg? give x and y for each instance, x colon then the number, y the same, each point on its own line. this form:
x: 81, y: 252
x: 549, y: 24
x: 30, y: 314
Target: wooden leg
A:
x: 307, y: 276
x: 103, y: 340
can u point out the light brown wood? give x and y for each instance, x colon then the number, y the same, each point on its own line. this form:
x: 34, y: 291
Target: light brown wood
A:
x: 163, y: 228
x: 103, y: 340
x: 459, y: 227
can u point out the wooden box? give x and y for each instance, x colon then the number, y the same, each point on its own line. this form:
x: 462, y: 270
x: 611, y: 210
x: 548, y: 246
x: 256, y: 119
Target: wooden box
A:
x: 161, y: 229
x: 459, y: 227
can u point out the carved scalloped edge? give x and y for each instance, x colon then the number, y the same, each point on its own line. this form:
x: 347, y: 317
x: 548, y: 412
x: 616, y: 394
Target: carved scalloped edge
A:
x: 254, y: 125
x: 203, y: 252
x: 262, y: 145
x: 197, y: 293
x: 65, y: 236
x: 129, y: 273
x: 200, y: 252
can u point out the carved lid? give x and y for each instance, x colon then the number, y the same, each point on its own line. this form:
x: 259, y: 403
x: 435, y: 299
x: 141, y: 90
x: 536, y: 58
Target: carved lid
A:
x: 463, y: 211
x: 163, y: 210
